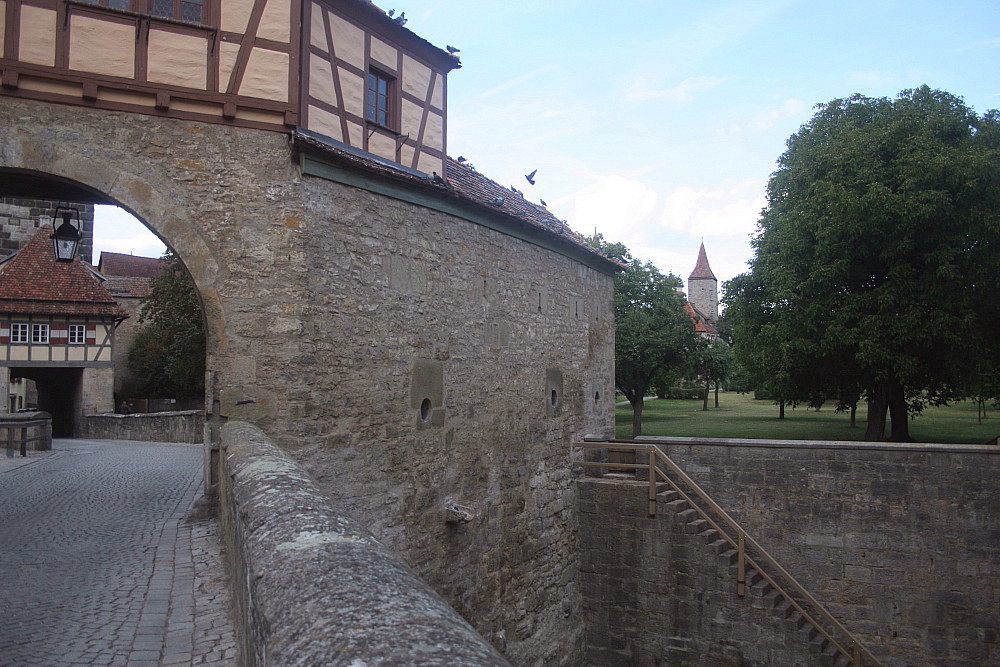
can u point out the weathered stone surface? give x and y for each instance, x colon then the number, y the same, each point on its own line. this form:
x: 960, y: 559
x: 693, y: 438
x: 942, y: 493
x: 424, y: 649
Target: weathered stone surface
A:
x: 179, y: 426
x: 320, y: 301
x: 898, y: 540
x: 313, y: 586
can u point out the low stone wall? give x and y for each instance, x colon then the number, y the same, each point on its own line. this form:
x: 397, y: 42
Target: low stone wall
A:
x: 314, y: 587
x: 898, y: 541
x: 181, y: 426
x: 22, y: 432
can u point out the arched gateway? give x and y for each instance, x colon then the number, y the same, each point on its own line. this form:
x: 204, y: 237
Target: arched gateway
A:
x: 415, y: 334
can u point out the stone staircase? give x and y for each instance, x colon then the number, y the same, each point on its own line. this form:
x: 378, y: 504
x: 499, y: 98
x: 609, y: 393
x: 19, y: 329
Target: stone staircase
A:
x: 763, y: 595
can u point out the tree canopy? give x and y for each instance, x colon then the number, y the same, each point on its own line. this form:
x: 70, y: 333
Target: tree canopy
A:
x: 877, y: 258
x: 653, y: 334
x: 167, y: 356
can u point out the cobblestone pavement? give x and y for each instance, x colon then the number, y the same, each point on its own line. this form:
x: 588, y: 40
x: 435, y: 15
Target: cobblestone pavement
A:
x: 108, y: 556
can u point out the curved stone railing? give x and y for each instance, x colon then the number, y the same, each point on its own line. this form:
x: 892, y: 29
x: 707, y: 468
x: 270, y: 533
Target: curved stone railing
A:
x: 314, y: 587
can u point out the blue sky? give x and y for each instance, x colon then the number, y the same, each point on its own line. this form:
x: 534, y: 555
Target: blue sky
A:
x: 658, y: 122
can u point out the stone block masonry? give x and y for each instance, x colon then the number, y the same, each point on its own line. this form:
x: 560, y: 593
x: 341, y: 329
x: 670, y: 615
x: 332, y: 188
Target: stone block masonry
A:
x: 898, y: 541
x: 20, y: 218
x: 312, y: 586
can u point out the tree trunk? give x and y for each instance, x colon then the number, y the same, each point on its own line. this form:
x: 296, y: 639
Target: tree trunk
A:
x: 854, y: 414
x: 637, y: 416
x: 900, y: 431
x: 878, y: 407
x: 781, y: 407
x: 704, y: 401
x: 716, y: 394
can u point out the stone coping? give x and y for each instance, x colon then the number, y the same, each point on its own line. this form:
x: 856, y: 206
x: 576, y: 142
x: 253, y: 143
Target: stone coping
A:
x: 313, y: 586
x: 819, y: 444
x: 133, y: 415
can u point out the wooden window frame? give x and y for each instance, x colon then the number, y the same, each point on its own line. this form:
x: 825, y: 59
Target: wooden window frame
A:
x: 37, y: 330
x: 76, y: 334
x: 146, y: 7
x: 24, y: 333
x: 389, y: 96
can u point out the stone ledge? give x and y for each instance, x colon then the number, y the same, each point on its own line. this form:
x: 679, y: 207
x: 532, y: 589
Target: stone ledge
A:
x: 819, y: 444
x: 312, y: 586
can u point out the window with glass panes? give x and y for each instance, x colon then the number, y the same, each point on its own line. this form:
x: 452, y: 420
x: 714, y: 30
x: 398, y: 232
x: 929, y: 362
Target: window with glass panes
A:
x: 18, y: 333
x: 189, y: 11
x: 377, y: 95
x: 77, y: 334
x: 40, y: 333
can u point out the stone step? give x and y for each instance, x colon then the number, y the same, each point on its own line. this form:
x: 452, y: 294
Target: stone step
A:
x: 687, y: 515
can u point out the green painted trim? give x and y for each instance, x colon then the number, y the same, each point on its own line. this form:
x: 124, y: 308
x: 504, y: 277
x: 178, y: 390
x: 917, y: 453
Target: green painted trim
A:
x: 322, y: 169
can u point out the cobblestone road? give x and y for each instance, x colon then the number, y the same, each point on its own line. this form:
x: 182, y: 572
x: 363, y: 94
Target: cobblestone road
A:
x: 106, y: 558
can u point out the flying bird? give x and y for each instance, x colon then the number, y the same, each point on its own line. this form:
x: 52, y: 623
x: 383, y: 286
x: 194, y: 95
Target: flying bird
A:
x: 452, y: 49
x: 531, y: 177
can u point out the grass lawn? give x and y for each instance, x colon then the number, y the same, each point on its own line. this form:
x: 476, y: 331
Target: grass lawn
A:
x: 739, y: 416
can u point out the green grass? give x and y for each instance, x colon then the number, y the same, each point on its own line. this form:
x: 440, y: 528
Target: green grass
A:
x: 739, y: 416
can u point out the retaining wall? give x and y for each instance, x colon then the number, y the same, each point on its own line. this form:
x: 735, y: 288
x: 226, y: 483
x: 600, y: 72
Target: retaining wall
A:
x: 314, y: 587
x: 898, y: 541
x: 181, y: 426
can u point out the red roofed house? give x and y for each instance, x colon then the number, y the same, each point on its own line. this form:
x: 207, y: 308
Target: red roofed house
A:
x: 128, y: 281
x: 57, y: 326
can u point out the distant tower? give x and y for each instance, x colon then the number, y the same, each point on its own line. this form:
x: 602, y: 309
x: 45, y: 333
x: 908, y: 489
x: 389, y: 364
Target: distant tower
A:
x: 703, y: 288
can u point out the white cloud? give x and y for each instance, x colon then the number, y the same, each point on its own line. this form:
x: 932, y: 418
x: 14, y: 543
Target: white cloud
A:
x: 115, y: 230
x: 721, y: 211
x: 619, y: 208
x: 640, y: 89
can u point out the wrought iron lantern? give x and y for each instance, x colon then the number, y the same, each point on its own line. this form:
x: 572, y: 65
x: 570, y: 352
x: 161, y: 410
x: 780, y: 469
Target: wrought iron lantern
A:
x: 67, y: 235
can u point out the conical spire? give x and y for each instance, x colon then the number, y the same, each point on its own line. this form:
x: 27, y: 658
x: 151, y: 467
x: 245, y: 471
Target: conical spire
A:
x: 702, y: 269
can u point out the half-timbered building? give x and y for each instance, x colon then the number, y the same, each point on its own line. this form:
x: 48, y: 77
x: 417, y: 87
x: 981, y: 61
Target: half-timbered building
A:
x: 57, y: 328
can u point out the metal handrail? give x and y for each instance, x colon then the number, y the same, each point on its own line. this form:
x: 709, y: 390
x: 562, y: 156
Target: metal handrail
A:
x: 858, y: 654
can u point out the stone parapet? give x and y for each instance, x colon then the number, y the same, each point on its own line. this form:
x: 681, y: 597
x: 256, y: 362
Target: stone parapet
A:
x: 181, y: 426
x: 314, y: 587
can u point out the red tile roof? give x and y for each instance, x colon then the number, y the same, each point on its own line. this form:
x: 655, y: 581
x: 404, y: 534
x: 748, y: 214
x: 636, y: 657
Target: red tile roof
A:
x: 33, y: 282
x: 701, y: 268
x: 462, y: 182
x: 701, y: 325
x: 118, y: 264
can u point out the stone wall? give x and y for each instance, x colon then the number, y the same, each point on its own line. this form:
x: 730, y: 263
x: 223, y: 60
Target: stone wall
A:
x: 180, y: 426
x: 312, y: 586
x: 410, y: 359
x: 898, y: 541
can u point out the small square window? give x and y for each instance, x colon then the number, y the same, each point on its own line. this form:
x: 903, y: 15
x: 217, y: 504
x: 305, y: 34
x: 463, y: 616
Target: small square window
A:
x: 40, y: 334
x: 378, y: 93
x: 19, y: 333
x: 77, y: 334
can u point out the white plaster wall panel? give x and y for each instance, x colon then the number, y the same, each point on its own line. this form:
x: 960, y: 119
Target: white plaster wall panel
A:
x: 355, y: 132
x: 234, y: 15
x: 434, y: 132
x: 125, y: 97
x: 321, y: 84
x: 227, y: 63
x: 261, y: 116
x: 383, y: 53
x: 266, y: 75
x: 102, y: 47
x: 47, y: 86
x: 348, y: 41
x: 410, y: 119
x: 430, y: 164
x: 437, y: 97
x: 19, y: 353
x: 317, y: 31
x: 416, y: 77
x: 325, y: 123
x: 177, y: 60
x: 38, y: 353
x: 38, y: 36
x: 406, y: 156
x: 383, y: 146
x: 275, y: 22
x: 196, y: 107
x: 352, y: 87
x: 76, y: 353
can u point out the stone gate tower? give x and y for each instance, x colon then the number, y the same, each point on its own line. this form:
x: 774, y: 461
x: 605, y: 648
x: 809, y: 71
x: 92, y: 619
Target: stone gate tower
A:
x: 703, y: 288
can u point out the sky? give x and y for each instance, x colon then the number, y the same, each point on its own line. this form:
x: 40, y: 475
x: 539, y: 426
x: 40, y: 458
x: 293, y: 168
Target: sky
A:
x: 658, y: 122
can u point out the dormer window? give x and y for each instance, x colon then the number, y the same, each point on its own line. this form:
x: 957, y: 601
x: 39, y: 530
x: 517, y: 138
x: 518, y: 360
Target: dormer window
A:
x: 378, y: 94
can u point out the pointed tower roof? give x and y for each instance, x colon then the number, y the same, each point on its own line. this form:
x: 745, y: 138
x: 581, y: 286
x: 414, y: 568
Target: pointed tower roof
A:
x: 33, y: 282
x: 702, y: 269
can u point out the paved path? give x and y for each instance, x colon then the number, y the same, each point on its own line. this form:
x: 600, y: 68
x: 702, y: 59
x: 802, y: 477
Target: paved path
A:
x: 103, y: 561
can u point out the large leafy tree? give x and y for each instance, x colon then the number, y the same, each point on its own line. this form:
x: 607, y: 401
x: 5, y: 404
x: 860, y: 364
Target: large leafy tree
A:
x: 167, y: 356
x: 653, y: 335
x: 877, y: 259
